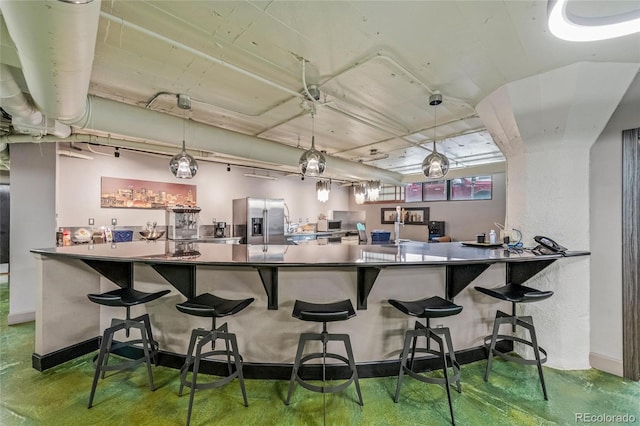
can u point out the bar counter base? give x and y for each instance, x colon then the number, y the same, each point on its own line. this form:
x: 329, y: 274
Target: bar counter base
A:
x: 45, y: 362
x: 266, y: 371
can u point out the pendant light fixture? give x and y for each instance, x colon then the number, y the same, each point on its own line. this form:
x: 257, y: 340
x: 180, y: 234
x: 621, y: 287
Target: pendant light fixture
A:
x: 323, y: 187
x: 183, y: 165
x: 373, y: 190
x: 359, y: 192
x: 312, y: 162
x: 435, y: 165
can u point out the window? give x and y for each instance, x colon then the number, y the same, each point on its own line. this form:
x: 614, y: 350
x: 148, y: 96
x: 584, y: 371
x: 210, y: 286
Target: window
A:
x: 471, y: 188
x: 390, y: 193
x: 434, y: 191
x: 413, y: 192
x: 466, y: 188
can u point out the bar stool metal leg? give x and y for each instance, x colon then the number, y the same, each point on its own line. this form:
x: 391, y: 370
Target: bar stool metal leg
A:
x: 410, y: 336
x: 106, y: 346
x: 492, y: 346
x: 199, y: 339
x: 525, y: 322
x: 296, y: 366
x: 352, y: 363
x: 195, y: 335
x: 536, y: 351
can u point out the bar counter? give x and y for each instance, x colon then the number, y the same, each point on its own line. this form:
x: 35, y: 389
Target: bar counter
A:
x: 68, y: 324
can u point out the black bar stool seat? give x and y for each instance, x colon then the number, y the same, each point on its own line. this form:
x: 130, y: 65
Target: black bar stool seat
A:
x: 210, y: 306
x: 126, y: 298
x: 432, y: 307
x: 324, y: 313
x: 515, y: 293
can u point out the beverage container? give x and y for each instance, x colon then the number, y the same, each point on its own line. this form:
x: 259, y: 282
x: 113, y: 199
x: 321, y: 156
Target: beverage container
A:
x: 493, y: 238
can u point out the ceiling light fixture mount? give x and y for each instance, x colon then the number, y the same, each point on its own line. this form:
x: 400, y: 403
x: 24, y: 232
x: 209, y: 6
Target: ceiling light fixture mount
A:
x: 183, y: 165
x: 312, y: 161
x: 435, y: 165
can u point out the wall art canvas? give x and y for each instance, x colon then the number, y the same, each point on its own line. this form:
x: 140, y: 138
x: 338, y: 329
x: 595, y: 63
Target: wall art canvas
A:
x: 144, y: 194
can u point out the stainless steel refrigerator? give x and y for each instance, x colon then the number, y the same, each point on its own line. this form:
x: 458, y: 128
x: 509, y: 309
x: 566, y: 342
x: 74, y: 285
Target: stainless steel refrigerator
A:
x: 259, y: 220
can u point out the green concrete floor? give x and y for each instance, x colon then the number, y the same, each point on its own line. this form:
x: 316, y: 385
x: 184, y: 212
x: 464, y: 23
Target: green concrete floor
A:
x: 512, y: 397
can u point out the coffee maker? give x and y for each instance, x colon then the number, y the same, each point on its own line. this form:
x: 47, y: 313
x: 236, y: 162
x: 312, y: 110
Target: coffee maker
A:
x: 219, y: 229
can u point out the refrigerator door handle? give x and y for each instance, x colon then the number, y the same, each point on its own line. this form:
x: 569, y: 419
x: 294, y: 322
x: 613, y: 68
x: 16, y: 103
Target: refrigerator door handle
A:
x: 265, y: 233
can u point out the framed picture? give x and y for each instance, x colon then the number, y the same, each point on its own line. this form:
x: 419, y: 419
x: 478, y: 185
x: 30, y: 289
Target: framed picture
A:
x: 411, y: 215
x: 144, y: 194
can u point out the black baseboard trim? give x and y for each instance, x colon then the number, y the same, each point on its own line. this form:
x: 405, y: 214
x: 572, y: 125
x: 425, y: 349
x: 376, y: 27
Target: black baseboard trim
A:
x: 44, y: 362
x: 267, y: 371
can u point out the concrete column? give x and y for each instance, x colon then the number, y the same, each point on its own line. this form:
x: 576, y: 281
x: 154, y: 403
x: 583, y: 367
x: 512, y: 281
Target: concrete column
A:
x: 545, y: 125
x: 32, y: 222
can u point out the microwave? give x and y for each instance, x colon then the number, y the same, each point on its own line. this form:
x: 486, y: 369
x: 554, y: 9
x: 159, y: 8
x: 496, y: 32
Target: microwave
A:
x: 325, y: 225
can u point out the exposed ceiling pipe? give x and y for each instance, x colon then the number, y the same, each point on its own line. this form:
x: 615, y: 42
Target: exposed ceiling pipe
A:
x: 25, y: 117
x: 4, y: 156
x: 63, y: 36
x: 119, y: 118
x: 55, y: 41
x: 113, y: 117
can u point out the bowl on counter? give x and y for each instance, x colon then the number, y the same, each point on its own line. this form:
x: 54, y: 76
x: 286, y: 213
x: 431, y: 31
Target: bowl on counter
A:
x: 151, y: 235
x: 82, y: 235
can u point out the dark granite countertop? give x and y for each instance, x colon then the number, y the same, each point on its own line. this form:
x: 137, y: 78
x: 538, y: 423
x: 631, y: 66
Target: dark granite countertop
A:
x: 406, y: 253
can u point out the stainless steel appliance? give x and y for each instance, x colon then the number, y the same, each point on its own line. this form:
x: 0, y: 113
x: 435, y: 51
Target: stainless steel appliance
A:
x: 324, y: 225
x: 259, y: 220
x: 183, y: 223
x: 219, y: 229
x: 436, y: 229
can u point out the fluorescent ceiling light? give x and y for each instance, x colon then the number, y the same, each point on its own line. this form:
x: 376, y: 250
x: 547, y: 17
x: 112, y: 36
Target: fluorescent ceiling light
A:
x: 253, y: 175
x: 567, y: 26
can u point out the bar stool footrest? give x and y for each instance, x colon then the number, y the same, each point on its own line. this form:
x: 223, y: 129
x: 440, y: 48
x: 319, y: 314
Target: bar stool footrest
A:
x: 455, y: 366
x: 324, y: 389
x: 215, y: 383
x: 519, y: 360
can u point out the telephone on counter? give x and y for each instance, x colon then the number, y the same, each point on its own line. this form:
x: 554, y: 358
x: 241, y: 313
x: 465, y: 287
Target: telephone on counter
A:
x: 547, y: 246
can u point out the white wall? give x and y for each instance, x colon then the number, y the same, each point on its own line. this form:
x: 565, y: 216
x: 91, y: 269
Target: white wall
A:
x: 79, y: 190
x: 606, y: 235
x: 545, y: 125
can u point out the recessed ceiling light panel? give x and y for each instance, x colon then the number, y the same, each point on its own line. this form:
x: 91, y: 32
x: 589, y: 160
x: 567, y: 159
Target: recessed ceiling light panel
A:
x: 568, y: 26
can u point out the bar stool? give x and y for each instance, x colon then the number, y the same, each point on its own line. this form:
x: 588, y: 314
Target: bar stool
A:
x: 208, y: 305
x: 432, y: 307
x: 516, y: 293
x: 125, y: 297
x: 324, y: 313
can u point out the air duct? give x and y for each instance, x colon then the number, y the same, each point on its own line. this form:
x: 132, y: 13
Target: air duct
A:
x: 55, y: 41
x: 25, y: 118
x: 113, y: 117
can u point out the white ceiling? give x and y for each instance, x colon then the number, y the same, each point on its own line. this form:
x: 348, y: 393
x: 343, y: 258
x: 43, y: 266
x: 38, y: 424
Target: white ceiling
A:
x: 375, y: 63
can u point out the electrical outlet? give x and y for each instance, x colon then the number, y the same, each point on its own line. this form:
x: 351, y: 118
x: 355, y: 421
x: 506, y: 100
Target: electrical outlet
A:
x: 91, y: 221
x: 114, y: 221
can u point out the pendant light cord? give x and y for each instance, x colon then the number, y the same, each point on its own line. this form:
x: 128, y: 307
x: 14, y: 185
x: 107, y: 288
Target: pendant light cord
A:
x: 313, y: 130
x: 435, y: 126
x: 184, y: 131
